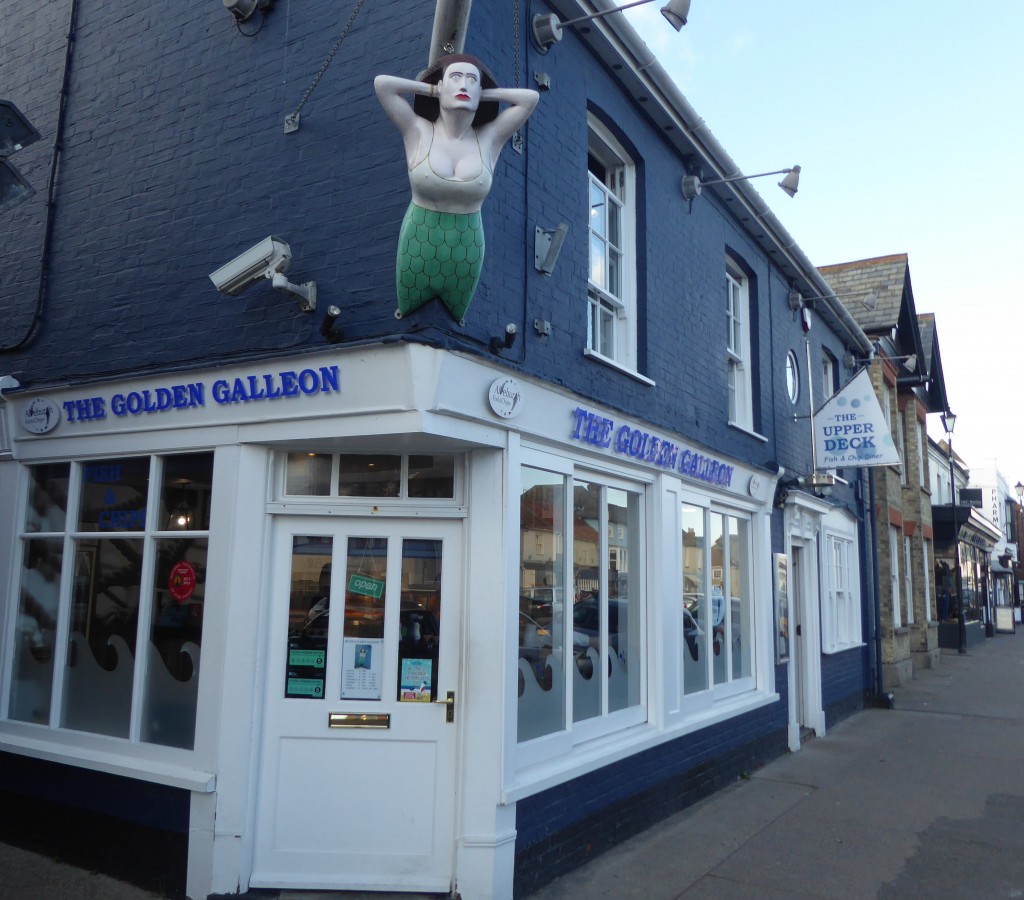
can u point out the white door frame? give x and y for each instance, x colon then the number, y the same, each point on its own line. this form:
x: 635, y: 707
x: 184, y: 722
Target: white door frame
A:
x: 364, y: 795
x: 804, y: 514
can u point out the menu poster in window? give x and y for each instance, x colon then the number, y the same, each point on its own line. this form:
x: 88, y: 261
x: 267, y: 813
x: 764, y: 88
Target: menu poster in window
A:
x: 361, y: 663
x: 781, y: 607
x: 414, y: 683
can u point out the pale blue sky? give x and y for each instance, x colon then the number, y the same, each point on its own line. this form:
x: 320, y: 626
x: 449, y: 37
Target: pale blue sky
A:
x: 906, y: 118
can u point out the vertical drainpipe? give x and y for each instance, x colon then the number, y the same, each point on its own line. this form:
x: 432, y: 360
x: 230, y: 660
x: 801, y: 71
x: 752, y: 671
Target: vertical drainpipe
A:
x: 876, y: 606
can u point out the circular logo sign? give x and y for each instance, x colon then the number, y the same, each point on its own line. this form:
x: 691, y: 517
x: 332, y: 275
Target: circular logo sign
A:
x: 505, y: 397
x: 182, y: 581
x: 40, y: 415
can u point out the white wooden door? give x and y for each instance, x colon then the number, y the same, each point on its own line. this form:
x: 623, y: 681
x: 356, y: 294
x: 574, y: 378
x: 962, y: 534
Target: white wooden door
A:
x: 357, y: 769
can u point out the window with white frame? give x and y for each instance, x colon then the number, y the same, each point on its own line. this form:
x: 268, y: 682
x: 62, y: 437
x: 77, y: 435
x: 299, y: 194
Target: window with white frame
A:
x: 718, y: 633
x: 611, y: 288
x: 792, y: 378
x: 926, y: 556
x: 737, y: 347
x: 581, y: 604
x: 901, y: 444
x: 894, y: 577
x: 108, y: 632
x: 841, y: 615
x: 828, y: 375
x: 908, y: 578
x: 920, y: 453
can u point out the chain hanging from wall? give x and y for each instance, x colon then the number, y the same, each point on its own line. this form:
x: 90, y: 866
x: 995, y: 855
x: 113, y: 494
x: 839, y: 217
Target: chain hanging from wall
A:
x: 291, y: 121
x: 517, y: 138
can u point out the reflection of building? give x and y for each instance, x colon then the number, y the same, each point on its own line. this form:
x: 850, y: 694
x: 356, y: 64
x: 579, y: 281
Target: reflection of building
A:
x: 583, y: 590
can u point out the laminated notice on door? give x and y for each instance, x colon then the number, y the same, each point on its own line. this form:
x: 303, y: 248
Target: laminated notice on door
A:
x: 361, y: 664
x: 415, y: 680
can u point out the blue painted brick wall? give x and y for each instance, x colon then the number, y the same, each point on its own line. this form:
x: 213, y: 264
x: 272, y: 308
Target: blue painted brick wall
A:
x: 175, y: 161
x: 565, y: 826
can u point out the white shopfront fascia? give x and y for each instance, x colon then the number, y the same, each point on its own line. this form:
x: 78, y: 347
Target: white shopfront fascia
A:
x: 399, y: 398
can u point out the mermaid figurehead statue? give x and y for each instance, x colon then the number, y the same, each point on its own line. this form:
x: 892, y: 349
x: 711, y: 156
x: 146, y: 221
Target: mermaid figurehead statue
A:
x: 453, y: 132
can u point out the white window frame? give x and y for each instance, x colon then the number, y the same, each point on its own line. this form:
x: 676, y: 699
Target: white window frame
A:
x: 611, y: 315
x: 133, y: 747
x: 920, y: 454
x: 908, y: 577
x: 926, y: 555
x: 574, y: 735
x: 828, y: 375
x: 894, y: 577
x: 737, y: 348
x: 841, y: 614
x: 901, y: 444
x: 792, y: 377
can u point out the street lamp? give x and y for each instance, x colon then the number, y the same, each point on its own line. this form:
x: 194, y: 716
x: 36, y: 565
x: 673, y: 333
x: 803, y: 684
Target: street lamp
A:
x: 948, y: 421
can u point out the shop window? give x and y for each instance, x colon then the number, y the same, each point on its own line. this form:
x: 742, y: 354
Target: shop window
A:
x: 581, y: 647
x: 840, y: 620
x: 718, y: 635
x: 85, y: 601
x: 611, y: 290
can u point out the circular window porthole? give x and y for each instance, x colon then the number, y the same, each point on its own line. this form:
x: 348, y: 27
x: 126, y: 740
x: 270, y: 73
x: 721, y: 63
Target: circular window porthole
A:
x: 792, y: 378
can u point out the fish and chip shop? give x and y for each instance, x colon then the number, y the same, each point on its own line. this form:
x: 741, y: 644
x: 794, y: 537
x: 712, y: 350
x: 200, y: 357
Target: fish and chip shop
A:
x: 386, y: 621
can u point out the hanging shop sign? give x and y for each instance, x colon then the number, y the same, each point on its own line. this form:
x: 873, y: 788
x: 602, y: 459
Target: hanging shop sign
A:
x: 600, y: 431
x: 851, y: 430
x: 42, y: 414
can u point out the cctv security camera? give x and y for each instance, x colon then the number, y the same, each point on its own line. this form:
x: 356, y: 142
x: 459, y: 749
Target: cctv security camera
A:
x: 268, y: 258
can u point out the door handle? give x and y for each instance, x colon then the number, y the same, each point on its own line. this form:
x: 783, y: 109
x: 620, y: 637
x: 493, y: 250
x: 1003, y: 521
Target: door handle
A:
x: 449, y: 704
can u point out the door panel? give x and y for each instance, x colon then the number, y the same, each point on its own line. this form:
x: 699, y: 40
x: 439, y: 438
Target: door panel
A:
x: 357, y: 771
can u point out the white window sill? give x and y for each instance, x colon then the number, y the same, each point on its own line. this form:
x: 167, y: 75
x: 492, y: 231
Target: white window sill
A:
x: 87, y: 752
x: 747, y: 430
x: 601, y: 752
x: 618, y: 367
x: 841, y: 648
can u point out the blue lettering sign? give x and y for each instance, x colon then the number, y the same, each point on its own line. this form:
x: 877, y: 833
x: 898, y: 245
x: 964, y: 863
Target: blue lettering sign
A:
x: 590, y: 428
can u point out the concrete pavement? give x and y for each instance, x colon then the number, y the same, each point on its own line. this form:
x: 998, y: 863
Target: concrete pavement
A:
x: 923, y: 800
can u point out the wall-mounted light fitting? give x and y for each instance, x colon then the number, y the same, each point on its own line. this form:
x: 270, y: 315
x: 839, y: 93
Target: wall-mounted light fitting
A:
x: 506, y: 340
x: 692, y: 184
x: 270, y: 258
x: 909, y: 361
x: 328, y: 328
x: 868, y: 301
x: 8, y: 383
x: 547, y: 244
x: 547, y: 29
x: 242, y: 10
x: 16, y: 133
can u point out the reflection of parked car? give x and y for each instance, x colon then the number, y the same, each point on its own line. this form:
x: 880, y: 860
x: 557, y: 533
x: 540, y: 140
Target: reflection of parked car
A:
x: 417, y: 625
